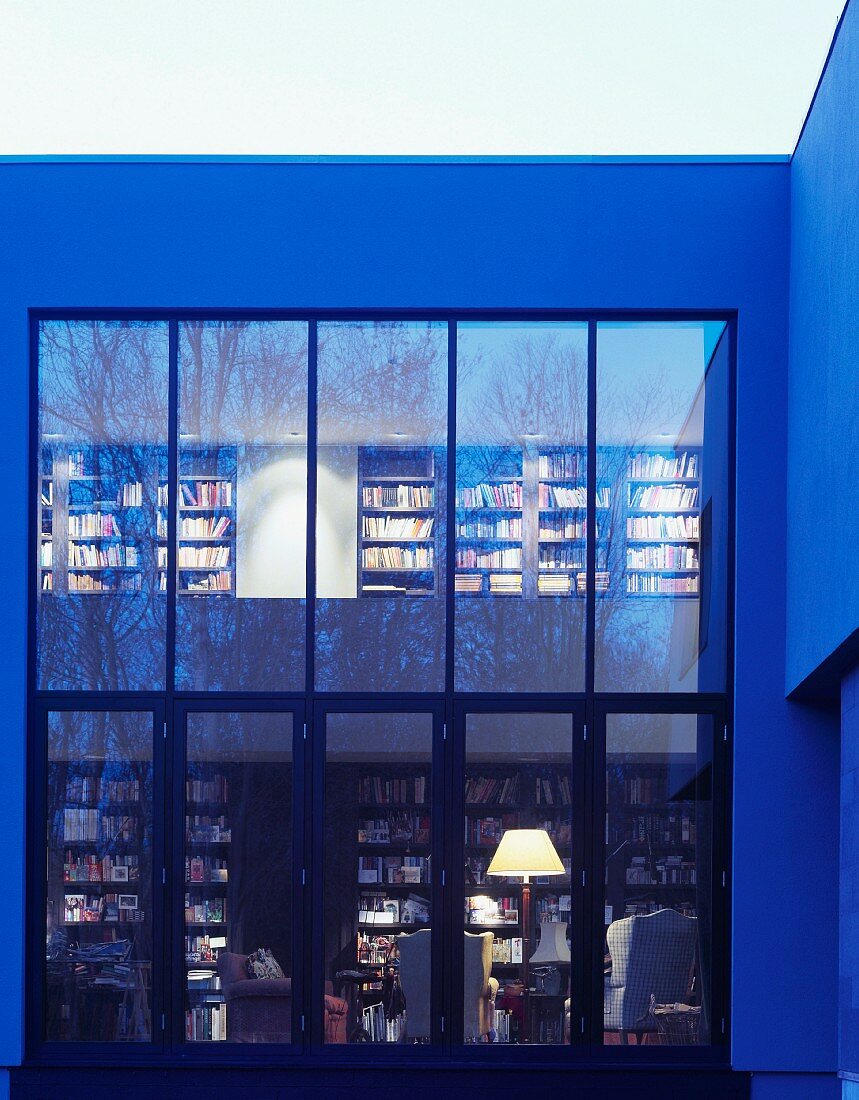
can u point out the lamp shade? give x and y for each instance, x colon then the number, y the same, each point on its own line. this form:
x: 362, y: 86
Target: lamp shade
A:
x: 525, y: 852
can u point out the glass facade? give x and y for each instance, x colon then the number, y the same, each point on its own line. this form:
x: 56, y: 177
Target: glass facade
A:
x: 399, y: 659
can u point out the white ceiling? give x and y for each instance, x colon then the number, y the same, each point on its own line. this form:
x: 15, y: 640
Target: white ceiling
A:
x: 384, y: 77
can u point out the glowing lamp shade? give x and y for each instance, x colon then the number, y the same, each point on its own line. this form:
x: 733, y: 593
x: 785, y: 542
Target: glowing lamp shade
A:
x: 525, y: 852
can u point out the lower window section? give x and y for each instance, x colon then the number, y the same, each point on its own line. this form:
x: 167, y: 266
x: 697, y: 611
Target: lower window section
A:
x: 99, y: 920
x: 377, y: 878
x: 658, y: 880
x: 238, y: 875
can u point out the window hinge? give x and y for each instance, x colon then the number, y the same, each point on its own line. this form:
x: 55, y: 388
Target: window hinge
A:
x: 163, y: 876
x: 163, y: 1022
x: 725, y: 732
x: 303, y: 877
x: 165, y: 731
x: 585, y: 732
x: 724, y: 879
x: 302, y: 1023
x: 444, y: 731
x: 442, y: 878
x: 723, y: 1025
x: 584, y: 878
x: 305, y: 731
x: 442, y: 1025
x: 583, y: 1025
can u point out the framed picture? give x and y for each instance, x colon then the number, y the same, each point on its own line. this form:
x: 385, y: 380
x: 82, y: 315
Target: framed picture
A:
x: 119, y: 874
x: 128, y: 901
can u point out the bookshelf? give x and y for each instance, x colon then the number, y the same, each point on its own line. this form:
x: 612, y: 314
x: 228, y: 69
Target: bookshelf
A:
x: 398, y: 522
x: 490, y: 497
x: 663, y: 527
x: 208, y: 837
x: 562, y: 522
x: 99, y: 901
x: 651, y: 836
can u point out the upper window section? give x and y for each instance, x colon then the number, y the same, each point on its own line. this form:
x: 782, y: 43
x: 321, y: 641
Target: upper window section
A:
x: 102, y: 455
x: 661, y: 507
x: 241, y: 506
x: 521, y: 506
x: 380, y: 497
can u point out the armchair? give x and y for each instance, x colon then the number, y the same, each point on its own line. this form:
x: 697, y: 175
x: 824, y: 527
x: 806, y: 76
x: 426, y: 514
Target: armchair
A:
x: 651, y: 955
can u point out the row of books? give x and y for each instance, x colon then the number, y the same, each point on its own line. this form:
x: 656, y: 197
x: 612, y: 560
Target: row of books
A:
x: 92, y: 788
x: 199, y: 946
x: 214, y: 582
x: 205, y: 494
x: 481, y: 789
x: 200, y: 527
x: 483, y: 910
x: 88, y: 556
x: 206, y: 869
x: 554, y: 908
x: 659, y: 466
x: 502, y: 494
x: 664, y: 827
x: 397, y: 557
x: 206, y: 1023
x: 503, y: 528
x: 642, y: 790
x: 566, y: 464
x: 46, y: 555
x: 398, y: 827
x: 108, y: 868
x: 202, y: 557
x: 47, y: 582
x: 664, y: 556
x: 396, y: 527
x: 551, y: 584
x: 94, y: 525
x: 397, y: 496
x: 216, y: 789
x: 505, y: 584
x: 485, y: 832
x: 469, y: 558
x: 110, y: 908
x: 206, y: 829
x: 377, y: 908
x: 666, y: 871
x: 562, y: 527
x: 561, y: 558
x: 553, y: 790
x: 393, y: 869
x: 84, y: 582
x: 386, y: 791
x: 81, y: 825
x: 663, y: 497
x: 131, y: 495
x: 205, y: 910
x: 557, y: 496
x: 655, y: 585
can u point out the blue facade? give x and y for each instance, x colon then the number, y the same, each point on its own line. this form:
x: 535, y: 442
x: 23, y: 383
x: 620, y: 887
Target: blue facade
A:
x: 776, y: 242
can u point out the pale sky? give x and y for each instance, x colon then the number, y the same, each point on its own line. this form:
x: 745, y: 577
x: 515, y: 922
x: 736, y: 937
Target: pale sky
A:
x: 393, y: 77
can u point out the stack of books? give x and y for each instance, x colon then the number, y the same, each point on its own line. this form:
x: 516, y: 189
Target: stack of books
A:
x: 549, y: 584
x: 468, y: 582
x: 505, y: 584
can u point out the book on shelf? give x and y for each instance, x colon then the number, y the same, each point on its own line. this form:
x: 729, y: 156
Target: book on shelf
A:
x: 108, y: 868
x: 397, y: 557
x: 94, y: 525
x: 549, y: 584
x: 668, y: 556
x: 468, y: 583
x: 205, y: 910
x: 562, y: 528
x: 553, y: 791
x: 131, y: 495
x: 559, y: 496
x: 206, y: 1023
x: 663, y: 497
x: 47, y: 492
x: 201, y: 527
x: 678, y: 528
x: 656, y: 585
x: 502, y: 494
x: 411, y: 528
x: 46, y: 555
x: 647, y: 465
x: 492, y: 789
x: 470, y: 558
x: 203, y: 557
x: 87, y: 556
x: 505, y: 584
x: 398, y: 496
x: 388, y: 791
x: 214, y: 582
x: 216, y: 789
x: 398, y: 827
x: 561, y: 557
x: 483, y: 910
x: 507, y: 950
x: 47, y: 582
x: 207, y: 829
x: 501, y: 528
x: 486, y: 832
x: 561, y: 464
x: 205, y: 494
x: 660, y: 827
x: 84, y: 582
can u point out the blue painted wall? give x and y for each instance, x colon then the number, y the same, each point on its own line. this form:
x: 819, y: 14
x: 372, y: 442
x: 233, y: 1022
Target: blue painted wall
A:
x: 823, y: 487
x: 623, y: 236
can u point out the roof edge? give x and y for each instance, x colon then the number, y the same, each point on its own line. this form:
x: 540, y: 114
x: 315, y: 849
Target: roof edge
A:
x: 204, y: 158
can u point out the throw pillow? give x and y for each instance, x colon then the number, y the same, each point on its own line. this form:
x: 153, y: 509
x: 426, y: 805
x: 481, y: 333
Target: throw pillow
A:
x: 262, y: 964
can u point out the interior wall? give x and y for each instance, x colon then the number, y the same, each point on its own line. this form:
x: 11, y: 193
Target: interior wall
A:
x: 823, y: 490
x: 609, y: 236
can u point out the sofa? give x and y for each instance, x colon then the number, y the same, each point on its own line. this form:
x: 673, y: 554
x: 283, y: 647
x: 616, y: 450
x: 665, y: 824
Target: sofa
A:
x: 260, y: 1009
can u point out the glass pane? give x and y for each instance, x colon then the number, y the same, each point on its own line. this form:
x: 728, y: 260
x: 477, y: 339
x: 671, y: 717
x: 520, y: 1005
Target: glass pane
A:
x: 377, y: 906
x: 516, y: 950
x: 101, y: 620
x: 521, y: 507
x: 662, y: 499
x: 242, y: 519
x: 238, y: 878
x: 658, y: 897
x: 380, y: 525
x: 98, y: 978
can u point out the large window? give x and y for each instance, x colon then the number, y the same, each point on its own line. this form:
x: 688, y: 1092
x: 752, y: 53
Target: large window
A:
x: 380, y: 685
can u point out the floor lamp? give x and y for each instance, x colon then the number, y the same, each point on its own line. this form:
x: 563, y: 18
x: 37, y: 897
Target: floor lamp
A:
x: 523, y: 853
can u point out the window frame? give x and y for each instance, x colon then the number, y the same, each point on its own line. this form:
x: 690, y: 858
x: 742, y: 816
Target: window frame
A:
x: 308, y: 705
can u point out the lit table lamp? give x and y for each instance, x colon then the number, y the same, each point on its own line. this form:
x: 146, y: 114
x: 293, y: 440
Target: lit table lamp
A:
x: 523, y: 853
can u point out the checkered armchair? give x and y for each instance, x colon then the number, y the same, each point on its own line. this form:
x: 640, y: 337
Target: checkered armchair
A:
x: 651, y: 954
